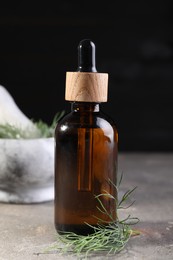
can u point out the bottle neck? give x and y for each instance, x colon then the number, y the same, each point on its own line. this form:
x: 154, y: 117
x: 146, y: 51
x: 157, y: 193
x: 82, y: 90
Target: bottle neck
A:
x: 85, y: 107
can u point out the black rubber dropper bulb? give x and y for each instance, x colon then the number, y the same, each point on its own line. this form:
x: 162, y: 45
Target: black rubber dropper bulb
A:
x: 86, y: 56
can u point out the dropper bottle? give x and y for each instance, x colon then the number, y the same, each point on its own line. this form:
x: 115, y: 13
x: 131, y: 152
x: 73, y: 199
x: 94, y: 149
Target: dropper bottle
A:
x: 86, y: 149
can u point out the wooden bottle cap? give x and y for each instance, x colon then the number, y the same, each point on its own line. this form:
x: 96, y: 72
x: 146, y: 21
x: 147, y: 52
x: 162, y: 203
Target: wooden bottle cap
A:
x: 86, y: 86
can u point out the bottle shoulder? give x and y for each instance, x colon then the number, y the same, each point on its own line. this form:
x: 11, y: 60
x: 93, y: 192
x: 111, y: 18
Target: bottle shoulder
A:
x: 74, y: 120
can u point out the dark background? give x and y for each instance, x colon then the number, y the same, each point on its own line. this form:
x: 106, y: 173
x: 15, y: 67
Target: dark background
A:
x: 134, y: 41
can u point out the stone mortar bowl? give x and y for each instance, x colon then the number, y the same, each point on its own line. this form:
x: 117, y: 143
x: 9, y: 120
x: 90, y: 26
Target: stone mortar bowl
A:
x: 26, y: 170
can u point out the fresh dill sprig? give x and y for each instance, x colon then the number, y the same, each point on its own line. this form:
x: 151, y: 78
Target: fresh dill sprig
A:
x: 46, y: 130
x: 11, y: 132
x: 108, y: 237
x: 42, y: 129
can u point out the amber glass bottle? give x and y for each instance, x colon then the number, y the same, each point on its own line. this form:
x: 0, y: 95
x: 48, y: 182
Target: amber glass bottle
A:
x: 85, y: 150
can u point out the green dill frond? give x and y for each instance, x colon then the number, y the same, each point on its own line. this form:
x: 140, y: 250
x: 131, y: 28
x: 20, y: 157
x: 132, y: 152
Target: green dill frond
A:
x: 108, y: 237
x: 42, y: 130
x: 48, y: 131
x: 11, y: 132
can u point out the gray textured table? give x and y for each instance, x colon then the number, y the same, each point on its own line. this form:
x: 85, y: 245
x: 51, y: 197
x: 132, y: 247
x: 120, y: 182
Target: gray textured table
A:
x: 26, y: 230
